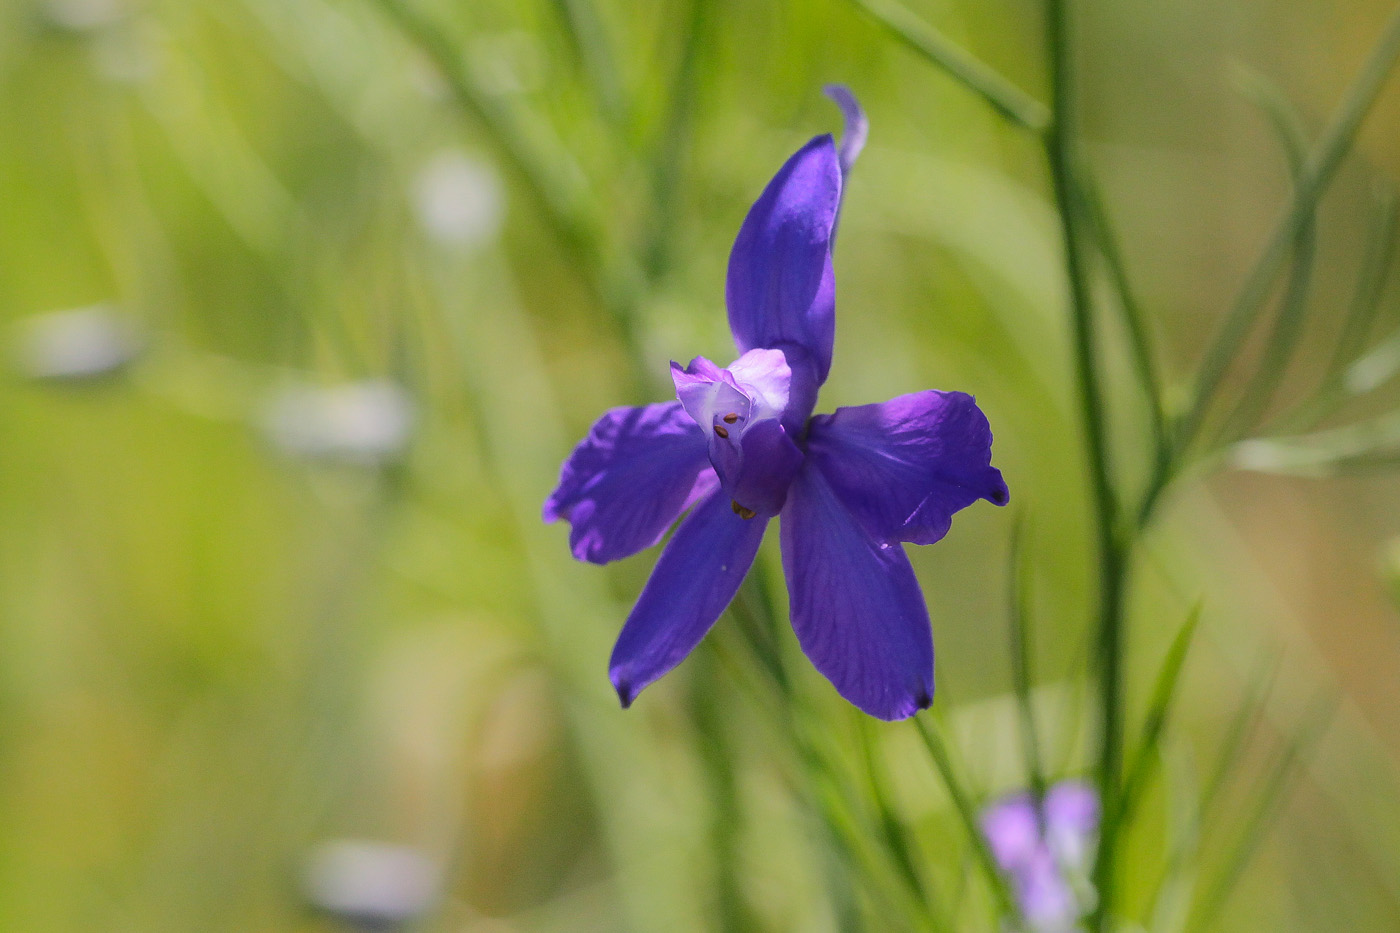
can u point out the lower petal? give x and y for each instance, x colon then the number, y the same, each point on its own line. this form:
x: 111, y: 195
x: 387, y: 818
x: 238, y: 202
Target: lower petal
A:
x: 698, y: 574
x: 629, y: 480
x: 856, y: 606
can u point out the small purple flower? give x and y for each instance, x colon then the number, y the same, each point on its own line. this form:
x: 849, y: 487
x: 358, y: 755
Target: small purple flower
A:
x: 1046, y: 855
x: 740, y: 446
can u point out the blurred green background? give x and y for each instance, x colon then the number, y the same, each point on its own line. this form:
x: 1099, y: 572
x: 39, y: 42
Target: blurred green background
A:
x: 239, y: 618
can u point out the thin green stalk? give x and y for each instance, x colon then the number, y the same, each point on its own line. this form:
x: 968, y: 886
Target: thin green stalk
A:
x: 1268, y: 803
x: 1242, y: 727
x: 1111, y: 553
x: 1370, y: 282
x: 1322, y: 167
x: 1134, y: 319
x: 1004, y: 97
x: 716, y: 755
x: 1158, y: 715
x: 563, y: 199
x: 1282, y: 340
x: 1349, y: 373
x: 1372, y: 443
x: 589, y: 39
x: 667, y: 174
x: 1020, y: 602
x: 903, y: 848
x: 962, y: 802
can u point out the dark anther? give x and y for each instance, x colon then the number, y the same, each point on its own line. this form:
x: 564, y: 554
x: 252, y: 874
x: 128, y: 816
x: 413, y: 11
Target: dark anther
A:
x: 721, y: 430
x: 731, y: 418
x: 740, y: 511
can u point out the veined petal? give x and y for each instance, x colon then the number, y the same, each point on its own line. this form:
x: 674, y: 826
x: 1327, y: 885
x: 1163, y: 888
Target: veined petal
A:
x: 781, y: 287
x: 856, y: 606
x: 698, y: 574
x: 629, y: 479
x: 903, y: 467
x: 742, y: 411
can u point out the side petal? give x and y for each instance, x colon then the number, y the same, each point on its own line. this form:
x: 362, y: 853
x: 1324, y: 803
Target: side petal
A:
x: 698, y: 574
x: 903, y: 467
x: 629, y: 479
x: 781, y: 287
x: 856, y: 606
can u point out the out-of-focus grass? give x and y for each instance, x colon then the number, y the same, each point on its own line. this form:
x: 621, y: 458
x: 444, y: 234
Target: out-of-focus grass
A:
x: 213, y: 657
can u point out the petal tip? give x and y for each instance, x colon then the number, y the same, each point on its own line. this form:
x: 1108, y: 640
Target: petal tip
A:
x: 625, y: 693
x: 998, y: 493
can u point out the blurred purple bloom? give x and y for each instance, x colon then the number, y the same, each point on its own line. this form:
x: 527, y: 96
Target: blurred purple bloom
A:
x: 740, y: 445
x: 1046, y: 853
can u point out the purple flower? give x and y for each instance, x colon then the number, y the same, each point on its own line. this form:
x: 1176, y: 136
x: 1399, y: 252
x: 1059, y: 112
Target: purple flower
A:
x: 740, y: 446
x: 1046, y: 854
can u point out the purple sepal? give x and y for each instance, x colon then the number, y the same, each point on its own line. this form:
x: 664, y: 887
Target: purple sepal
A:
x: 856, y: 606
x: 697, y: 575
x: 903, y: 467
x: 629, y: 480
x: 781, y: 288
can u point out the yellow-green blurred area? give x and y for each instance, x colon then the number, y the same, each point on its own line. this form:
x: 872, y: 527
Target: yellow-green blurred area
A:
x: 279, y: 578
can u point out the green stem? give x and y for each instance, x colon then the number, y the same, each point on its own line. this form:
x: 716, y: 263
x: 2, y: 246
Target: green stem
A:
x: 1111, y: 552
x: 1006, y: 98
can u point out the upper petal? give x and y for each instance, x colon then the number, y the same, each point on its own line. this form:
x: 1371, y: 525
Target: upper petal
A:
x: 781, y: 287
x: 905, y: 466
x: 698, y: 573
x: 856, y: 606
x: 857, y: 126
x: 629, y: 479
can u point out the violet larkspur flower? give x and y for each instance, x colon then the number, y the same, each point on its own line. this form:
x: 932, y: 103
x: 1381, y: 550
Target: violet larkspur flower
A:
x: 740, y: 446
x: 1046, y: 855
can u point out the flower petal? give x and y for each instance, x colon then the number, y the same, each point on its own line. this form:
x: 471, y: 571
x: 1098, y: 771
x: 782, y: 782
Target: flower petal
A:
x: 903, y: 467
x: 629, y: 479
x: 856, y: 606
x: 781, y: 287
x: 698, y: 574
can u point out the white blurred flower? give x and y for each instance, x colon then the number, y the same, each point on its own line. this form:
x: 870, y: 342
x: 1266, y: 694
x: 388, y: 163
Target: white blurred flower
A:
x: 459, y: 200
x: 78, y: 344
x: 366, y: 422
x: 131, y: 53
x: 84, y: 15
x: 373, y: 885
